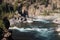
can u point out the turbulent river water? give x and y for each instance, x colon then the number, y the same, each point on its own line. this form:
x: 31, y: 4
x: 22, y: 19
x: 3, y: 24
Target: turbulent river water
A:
x: 38, y: 30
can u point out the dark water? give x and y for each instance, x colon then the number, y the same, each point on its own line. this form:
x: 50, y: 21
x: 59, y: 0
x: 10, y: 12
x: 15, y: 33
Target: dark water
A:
x: 36, y: 31
x: 37, y: 34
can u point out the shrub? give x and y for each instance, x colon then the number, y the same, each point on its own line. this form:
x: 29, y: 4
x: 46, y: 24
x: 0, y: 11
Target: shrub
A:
x: 1, y: 24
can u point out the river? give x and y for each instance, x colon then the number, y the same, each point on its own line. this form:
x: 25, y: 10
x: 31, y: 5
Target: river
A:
x: 38, y: 30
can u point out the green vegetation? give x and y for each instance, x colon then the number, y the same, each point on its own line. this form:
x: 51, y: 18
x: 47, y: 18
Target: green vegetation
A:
x: 43, y: 1
x: 4, y: 13
x: 2, y: 25
x: 45, y: 13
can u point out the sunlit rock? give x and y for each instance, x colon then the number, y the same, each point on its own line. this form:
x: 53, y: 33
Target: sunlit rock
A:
x: 57, y: 20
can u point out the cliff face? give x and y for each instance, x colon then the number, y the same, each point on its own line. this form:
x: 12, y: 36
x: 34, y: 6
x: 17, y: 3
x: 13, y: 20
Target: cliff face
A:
x: 36, y: 7
x: 50, y: 1
x: 56, y: 2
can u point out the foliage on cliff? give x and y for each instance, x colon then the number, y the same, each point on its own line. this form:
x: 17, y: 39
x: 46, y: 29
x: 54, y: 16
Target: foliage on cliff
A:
x: 1, y: 24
